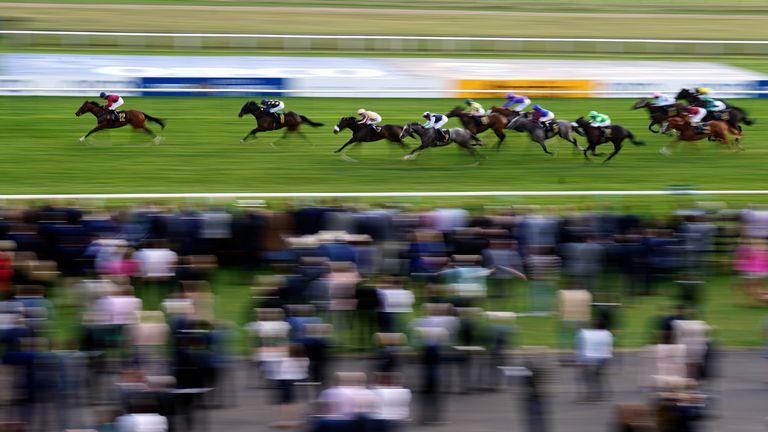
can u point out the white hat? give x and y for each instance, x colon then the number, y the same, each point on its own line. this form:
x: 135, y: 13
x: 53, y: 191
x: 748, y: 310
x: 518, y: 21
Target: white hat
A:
x: 361, y: 110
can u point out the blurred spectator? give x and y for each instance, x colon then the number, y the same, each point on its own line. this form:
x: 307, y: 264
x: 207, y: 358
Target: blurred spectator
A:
x: 595, y: 349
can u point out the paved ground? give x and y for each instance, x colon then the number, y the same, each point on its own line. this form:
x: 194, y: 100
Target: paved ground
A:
x: 742, y: 391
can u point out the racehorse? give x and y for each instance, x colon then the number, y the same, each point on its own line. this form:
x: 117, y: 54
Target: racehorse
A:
x: 464, y: 138
x: 562, y: 128
x: 365, y: 133
x: 595, y: 136
x: 715, y: 130
x: 733, y: 115
x: 506, y: 112
x: 476, y: 125
x: 106, y: 120
x: 659, y: 114
x: 266, y: 121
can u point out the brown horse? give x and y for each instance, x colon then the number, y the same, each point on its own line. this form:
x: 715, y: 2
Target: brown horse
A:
x: 365, y: 133
x: 476, y: 125
x: 659, y: 114
x: 267, y: 121
x: 714, y: 130
x: 506, y: 112
x: 106, y: 120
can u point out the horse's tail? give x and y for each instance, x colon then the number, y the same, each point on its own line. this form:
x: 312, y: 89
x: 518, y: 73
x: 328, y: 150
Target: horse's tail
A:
x: 633, y: 139
x: 746, y: 120
x: 161, y: 122
x: 310, y: 122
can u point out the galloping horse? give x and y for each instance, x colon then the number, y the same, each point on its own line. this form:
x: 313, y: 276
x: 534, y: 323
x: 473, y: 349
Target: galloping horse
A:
x: 364, y: 133
x: 715, y: 130
x: 506, y: 112
x: 265, y: 121
x: 476, y: 125
x: 464, y: 138
x: 659, y: 114
x: 733, y: 115
x: 613, y: 134
x: 105, y: 119
x: 562, y: 128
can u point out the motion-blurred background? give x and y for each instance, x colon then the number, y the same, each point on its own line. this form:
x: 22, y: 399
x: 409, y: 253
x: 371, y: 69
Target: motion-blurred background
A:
x: 199, y: 283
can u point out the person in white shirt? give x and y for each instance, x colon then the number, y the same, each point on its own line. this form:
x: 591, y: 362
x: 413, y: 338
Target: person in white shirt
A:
x: 594, y: 349
x: 394, y: 399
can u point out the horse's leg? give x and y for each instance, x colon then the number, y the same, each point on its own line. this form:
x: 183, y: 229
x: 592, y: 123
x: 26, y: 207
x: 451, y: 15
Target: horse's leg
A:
x: 666, y: 149
x: 155, y: 139
x: 569, y: 137
x: 415, y: 151
x: 252, y: 133
x: 96, y: 129
x: 590, y: 146
x: 351, y: 140
x: 501, y: 136
x: 616, y: 149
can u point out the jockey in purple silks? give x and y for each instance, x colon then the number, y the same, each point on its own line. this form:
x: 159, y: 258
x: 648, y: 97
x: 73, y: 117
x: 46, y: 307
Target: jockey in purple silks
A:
x: 521, y: 102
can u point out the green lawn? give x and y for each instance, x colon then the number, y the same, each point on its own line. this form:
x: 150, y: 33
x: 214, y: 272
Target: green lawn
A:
x: 440, y: 21
x: 202, y: 152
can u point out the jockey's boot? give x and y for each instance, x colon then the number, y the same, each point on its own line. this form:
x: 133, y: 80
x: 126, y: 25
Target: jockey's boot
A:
x: 699, y: 128
x: 115, y: 116
x: 442, y: 136
x: 276, y: 119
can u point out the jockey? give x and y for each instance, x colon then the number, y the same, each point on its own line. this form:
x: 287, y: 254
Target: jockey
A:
x: 369, y: 118
x: 435, y: 121
x: 521, y: 102
x: 543, y: 116
x: 113, y: 102
x: 695, y: 114
x: 662, y: 100
x: 712, y: 104
x: 598, y: 120
x: 272, y: 106
x: 474, y: 108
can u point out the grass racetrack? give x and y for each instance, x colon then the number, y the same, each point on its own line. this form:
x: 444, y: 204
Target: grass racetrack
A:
x: 202, y: 152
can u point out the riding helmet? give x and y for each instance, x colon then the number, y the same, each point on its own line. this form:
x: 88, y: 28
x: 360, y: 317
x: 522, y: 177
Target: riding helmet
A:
x: 468, y: 101
x: 427, y: 115
x: 702, y: 90
x: 361, y: 111
x: 102, y: 95
x: 510, y: 95
x: 263, y: 101
x: 592, y: 114
x: 656, y: 94
x: 537, y: 107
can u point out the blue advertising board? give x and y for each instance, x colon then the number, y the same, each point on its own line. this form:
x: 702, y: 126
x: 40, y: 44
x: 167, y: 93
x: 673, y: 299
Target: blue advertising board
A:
x: 252, y: 86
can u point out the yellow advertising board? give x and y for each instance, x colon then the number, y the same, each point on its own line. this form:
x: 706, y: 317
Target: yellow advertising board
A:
x: 527, y: 87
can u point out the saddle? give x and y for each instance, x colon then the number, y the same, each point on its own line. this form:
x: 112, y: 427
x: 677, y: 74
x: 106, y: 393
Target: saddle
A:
x: 484, y: 120
x: 375, y: 128
x: 277, y: 119
x: 672, y: 111
x: 607, y: 132
x: 724, y: 115
x: 703, y: 128
x: 551, y: 126
x: 118, y: 116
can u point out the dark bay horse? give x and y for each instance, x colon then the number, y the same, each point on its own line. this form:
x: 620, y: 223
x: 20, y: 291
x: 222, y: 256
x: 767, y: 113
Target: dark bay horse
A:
x: 265, y: 121
x: 364, y: 133
x: 595, y: 136
x: 714, y: 130
x: 561, y: 128
x: 463, y: 137
x: 477, y: 125
x: 732, y: 115
x: 659, y: 114
x: 506, y: 112
x: 106, y: 120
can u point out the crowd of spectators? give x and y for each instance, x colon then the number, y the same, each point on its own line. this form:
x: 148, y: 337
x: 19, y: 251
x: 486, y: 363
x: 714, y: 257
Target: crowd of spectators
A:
x: 438, y: 288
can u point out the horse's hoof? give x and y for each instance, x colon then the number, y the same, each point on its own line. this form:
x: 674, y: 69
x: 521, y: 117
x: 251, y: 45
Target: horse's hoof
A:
x: 82, y: 138
x: 347, y: 158
x: 242, y: 141
x: 157, y: 140
x: 664, y: 151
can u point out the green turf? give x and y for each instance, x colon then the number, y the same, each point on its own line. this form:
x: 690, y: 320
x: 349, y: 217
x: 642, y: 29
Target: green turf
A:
x: 390, y: 22
x: 621, y: 6
x: 202, y: 152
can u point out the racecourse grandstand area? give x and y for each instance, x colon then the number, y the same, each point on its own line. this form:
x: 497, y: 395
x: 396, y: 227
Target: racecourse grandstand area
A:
x: 380, y: 216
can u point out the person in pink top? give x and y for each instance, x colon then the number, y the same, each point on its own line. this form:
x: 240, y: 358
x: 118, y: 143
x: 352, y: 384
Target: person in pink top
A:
x: 752, y: 264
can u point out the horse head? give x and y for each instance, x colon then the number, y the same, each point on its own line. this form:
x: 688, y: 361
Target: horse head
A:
x: 686, y: 95
x: 87, y: 106
x: 344, y: 123
x: 642, y: 103
x: 515, y: 122
x: 250, y: 107
x: 410, y: 129
x: 455, y: 112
